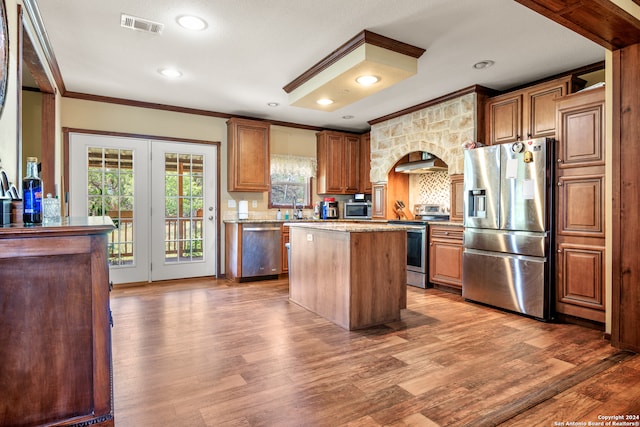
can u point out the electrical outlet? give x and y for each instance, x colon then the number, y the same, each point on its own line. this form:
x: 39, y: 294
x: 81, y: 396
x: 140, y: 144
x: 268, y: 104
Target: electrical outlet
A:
x: 309, y: 237
x: 231, y: 203
x: 254, y: 203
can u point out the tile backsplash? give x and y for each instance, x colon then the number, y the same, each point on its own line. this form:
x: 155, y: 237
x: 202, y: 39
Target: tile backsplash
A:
x: 430, y: 188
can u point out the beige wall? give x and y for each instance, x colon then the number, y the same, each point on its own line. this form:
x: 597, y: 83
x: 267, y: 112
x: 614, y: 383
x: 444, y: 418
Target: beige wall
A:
x: 31, y: 124
x: 92, y: 115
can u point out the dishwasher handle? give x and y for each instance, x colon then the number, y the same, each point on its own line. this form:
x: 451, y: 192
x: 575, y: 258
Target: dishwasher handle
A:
x: 261, y: 229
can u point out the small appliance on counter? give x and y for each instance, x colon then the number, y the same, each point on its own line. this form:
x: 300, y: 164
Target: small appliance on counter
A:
x: 243, y: 209
x: 357, y: 209
x: 329, y: 208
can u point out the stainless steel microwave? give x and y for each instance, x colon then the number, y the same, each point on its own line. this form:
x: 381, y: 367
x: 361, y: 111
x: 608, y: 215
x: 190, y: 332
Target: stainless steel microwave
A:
x: 357, y: 210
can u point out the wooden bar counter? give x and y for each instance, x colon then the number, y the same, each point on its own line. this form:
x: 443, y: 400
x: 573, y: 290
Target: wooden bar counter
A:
x: 353, y: 274
x: 55, y: 341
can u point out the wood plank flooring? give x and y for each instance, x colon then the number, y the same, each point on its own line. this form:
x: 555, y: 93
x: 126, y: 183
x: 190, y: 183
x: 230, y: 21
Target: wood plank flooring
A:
x: 216, y: 353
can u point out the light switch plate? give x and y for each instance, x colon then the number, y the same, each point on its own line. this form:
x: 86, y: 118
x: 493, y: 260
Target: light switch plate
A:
x: 309, y: 237
x: 231, y: 203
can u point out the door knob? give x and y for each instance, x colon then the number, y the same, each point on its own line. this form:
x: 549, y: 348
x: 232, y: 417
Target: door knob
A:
x: 210, y: 208
x: 211, y: 218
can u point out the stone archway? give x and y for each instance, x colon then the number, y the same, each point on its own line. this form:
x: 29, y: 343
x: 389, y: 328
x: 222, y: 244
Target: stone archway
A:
x: 440, y: 129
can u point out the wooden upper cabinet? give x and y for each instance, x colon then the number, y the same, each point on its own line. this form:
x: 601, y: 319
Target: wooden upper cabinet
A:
x: 539, y: 108
x: 365, y: 163
x: 581, y: 129
x: 456, y: 212
x: 504, y: 114
x: 338, y: 163
x: 527, y: 113
x: 352, y: 164
x: 248, y: 155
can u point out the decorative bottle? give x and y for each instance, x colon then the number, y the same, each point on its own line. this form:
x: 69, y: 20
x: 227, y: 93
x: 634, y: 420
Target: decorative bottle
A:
x: 32, y: 194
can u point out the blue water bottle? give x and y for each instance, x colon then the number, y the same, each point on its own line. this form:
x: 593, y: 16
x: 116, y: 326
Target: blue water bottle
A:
x: 32, y: 194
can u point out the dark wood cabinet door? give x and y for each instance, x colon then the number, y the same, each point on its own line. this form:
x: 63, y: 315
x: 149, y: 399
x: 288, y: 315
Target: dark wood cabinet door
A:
x: 445, y: 265
x: 581, y: 130
x: 445, y: 256
x: 539, y: 110
x: 505, y: 119
x: 334, y: 166
x: 351, y: 182
x: 248, y: 156
x: 581, y: 206
x: 365, y: 163
x: 580, y: 282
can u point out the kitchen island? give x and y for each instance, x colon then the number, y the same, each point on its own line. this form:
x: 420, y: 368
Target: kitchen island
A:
x: 353, y: 274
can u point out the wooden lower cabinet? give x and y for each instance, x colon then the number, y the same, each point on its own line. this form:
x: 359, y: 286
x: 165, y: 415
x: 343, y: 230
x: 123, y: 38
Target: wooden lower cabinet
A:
x: 55, y: 345
x: 580, y: 286
x: 445, y: 255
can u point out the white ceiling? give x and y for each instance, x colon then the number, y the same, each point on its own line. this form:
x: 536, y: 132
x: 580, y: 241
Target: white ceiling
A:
x: 252, y: 48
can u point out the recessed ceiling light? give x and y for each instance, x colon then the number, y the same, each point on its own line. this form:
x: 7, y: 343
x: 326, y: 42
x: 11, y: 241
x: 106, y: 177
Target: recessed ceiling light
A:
x: 170, y: 73
x: 272, y: 104
x: 367, y: 80
x: 192, y: 23
x: 483, y: 64
x: 324, y: 101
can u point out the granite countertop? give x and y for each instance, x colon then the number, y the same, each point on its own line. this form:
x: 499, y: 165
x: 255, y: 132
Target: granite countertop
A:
x: 295, y: 221
x: 349, y: 227
x: 330, y: 221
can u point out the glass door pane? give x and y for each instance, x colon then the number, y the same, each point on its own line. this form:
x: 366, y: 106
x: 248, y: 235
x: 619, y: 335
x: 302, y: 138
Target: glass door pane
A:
x: 110, y: 193
x: 183, y: 207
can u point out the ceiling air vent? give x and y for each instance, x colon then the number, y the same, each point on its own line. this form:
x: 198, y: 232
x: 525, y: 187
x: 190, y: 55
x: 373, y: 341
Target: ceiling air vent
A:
x: 135, y: 23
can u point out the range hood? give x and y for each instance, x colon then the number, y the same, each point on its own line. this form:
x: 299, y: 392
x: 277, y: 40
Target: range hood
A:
x: 427, y: 163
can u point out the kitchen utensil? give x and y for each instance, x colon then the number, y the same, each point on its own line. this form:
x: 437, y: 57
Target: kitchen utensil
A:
x: 4, y: 182
x: 13, y: 192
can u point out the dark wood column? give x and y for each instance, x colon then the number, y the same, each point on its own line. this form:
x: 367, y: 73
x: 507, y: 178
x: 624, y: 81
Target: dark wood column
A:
x: 626, y: 199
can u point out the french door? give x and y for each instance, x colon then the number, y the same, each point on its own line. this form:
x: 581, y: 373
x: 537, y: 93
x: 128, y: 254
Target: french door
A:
x: 161, y: 197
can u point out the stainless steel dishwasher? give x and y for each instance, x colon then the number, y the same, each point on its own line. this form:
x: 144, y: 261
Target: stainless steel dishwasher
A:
x: 261, y: 250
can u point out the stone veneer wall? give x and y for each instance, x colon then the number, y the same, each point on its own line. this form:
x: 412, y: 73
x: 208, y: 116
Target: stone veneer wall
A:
x: 439, y: 129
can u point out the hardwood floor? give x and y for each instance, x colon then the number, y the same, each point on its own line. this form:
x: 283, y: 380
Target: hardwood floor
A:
x: 216, y: 353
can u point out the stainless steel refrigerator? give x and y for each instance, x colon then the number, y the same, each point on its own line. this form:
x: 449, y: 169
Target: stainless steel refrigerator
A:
x: 507, y: 259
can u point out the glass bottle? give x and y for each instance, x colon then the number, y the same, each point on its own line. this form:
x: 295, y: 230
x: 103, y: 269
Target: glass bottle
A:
x: 32, y: 194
